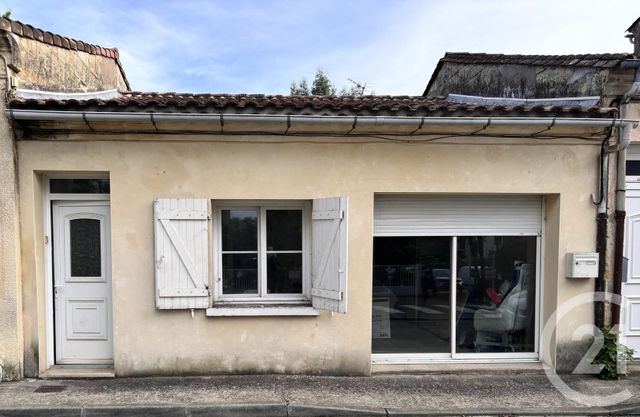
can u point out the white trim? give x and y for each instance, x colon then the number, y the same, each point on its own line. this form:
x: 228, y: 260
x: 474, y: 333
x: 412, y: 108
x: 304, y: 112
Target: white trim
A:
x: 478, y: 357
x: 262, y: 311
x: 41, y: 95
x: 453, y: 293
x: 418, y: 358
x: 261, y: 207
x: 48, y: 197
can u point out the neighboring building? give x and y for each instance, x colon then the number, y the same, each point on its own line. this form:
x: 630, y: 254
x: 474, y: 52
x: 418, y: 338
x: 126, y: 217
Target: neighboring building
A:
x: 531, y: 76
x: 603, y: 79
x: 184, y: 234
x: 33, y: 60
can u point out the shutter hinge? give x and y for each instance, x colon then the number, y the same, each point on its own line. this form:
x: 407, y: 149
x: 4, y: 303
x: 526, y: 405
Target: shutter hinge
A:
x: 46, y: 239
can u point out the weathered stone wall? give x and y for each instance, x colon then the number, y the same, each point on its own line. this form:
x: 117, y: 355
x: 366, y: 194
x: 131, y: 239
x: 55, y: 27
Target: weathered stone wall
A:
x: 51, y: 68
x: 519, y: 81
x: 10, y: 283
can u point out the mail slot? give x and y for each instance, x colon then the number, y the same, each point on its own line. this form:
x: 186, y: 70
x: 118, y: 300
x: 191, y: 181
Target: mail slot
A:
x: 582, y: 265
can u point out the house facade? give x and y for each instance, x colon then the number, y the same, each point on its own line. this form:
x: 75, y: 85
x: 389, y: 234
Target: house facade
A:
x: 194, y: 234
x: 177, y: 234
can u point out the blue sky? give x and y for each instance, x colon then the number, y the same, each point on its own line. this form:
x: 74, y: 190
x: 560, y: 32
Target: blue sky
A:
x: 261, y: 46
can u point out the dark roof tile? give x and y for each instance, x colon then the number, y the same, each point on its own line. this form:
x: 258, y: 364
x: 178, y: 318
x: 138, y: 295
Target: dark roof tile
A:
x: 38, y: 34
x: 579, y: 60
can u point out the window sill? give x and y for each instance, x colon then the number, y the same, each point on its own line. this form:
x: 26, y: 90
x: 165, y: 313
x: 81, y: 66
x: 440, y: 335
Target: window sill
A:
x: 256, y: 311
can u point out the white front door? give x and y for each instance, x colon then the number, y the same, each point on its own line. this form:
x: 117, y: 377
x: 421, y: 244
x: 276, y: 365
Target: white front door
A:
x: 82, y: 282
x: 630, y: 311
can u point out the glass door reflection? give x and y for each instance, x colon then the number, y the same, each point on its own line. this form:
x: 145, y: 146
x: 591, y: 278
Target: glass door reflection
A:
x: 411, y: 295
x: 489, y: 309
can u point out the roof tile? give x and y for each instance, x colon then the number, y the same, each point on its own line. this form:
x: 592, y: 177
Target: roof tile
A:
x: 579, y: 60
x: 5, y: 24
x: 28, y: 31
x: 38, y: 34
x: 278, y: 104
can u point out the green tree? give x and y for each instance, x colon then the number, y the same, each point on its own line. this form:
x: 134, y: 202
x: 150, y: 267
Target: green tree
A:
x: 323, y: 86
x: 299, y: 89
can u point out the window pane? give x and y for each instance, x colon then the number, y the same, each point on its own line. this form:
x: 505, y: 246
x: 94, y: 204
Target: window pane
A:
x: 79, y: 186
x: 411, y: 295
x: 633, y: 167
x: 84, y: 235
x: 284, y: 273
x: 240, y: 273
x: 284, y: 229
x: 239, y: 230
x: 496, y: 296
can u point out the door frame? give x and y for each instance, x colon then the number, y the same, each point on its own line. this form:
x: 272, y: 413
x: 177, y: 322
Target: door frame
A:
x: 48, y: 198
x: 483, y: 357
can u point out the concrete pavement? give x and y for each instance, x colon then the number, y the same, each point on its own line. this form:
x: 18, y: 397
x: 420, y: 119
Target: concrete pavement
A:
x: 474, y: 393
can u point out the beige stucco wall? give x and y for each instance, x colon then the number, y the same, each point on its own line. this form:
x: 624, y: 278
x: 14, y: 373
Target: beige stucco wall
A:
x: 148, y: 341
x: 10, y: 299
x: 51, y: 68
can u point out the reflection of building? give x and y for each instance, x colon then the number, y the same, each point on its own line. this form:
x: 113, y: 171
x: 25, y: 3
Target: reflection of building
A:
x: 231, y: 228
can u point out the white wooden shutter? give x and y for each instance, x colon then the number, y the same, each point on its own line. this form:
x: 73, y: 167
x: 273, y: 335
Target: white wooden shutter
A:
x: 329, y: 254
x: 181, y: 253
x: 459, y: 215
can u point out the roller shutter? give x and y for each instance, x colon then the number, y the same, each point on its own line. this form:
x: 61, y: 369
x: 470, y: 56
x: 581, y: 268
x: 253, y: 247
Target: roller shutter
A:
x: 459, y: 215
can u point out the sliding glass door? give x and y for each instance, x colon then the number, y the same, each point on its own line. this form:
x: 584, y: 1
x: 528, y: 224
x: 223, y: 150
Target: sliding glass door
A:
x: 455, y: 296
x: 411, y: 295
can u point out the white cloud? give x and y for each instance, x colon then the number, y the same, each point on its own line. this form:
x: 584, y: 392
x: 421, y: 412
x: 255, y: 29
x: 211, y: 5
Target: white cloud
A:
x: 255, y: 46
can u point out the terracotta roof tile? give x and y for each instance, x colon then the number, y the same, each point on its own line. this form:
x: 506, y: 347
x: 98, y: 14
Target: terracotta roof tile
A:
x: 28, y: 31
x: 133, y: 101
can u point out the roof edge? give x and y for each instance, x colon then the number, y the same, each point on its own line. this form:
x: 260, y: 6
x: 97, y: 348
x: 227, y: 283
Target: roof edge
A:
x: 30, y: 32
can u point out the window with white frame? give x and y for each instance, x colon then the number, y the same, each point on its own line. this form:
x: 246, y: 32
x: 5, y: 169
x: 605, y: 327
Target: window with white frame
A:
x: 262, y: 251
x: 265, y: 252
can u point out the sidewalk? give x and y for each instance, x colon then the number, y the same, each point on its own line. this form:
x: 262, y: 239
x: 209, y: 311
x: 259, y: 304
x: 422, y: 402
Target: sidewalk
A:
x: 499, y: 393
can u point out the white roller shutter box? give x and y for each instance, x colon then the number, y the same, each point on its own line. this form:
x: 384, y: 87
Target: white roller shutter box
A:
x: 329, y: 254
x: 459, y: 215
x: 181, y: 253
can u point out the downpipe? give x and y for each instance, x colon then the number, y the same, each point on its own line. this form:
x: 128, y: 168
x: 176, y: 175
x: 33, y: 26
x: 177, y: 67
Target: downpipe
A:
x: 620, y: 213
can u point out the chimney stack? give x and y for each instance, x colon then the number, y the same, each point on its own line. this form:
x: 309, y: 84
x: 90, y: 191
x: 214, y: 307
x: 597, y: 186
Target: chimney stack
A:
x: 633, y: 34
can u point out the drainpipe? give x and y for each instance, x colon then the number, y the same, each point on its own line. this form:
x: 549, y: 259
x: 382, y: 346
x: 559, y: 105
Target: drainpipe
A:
x: 620, y: 214
x: 601, y: 221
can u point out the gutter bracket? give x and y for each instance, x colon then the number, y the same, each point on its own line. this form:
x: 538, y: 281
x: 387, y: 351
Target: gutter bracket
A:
x: 419, y: 127
x: 481, y: 129
x: 153, y: 121
x: 553, y: 123
x: 353, y: 126
x: 86, y: 122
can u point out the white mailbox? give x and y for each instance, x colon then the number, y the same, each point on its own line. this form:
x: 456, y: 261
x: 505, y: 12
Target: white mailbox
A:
x: 582, y: 265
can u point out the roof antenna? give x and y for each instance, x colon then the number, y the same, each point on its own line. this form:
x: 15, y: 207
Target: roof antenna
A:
x: 361, y: 87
